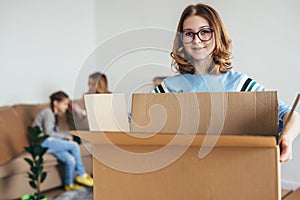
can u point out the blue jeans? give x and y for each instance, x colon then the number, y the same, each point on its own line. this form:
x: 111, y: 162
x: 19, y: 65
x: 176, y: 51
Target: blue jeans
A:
x: 67, y: 152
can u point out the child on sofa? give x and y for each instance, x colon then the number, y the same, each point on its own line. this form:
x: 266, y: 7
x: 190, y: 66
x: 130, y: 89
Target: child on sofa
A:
x: 61, y: 144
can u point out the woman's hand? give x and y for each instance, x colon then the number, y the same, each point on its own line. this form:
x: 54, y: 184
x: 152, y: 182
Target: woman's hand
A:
x: 286, y: 151
x: 289, y: 133
x: 79, y: 111
x: 69, y: 137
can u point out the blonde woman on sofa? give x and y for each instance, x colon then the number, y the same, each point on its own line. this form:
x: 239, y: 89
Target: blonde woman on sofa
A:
x: 97, y: 84
x: 61, y: 144
x: 76, y: 114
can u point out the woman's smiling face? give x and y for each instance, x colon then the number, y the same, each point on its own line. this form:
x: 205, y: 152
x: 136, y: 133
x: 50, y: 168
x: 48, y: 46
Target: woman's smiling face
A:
x: 198, y: 49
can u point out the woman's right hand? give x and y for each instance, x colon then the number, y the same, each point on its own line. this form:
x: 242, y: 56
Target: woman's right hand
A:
x: 78, y: 110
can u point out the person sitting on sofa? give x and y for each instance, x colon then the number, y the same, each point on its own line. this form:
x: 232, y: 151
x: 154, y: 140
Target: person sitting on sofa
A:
x: 98, y: 84
x: 76, y: 114
x: 61, y: 144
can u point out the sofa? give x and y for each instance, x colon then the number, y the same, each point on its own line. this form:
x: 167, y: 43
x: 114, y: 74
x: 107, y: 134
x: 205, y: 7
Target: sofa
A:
x: 14, y: 122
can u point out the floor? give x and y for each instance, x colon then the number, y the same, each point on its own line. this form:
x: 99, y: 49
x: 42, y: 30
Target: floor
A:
x: 59, y: 191
x: 54, y: 192
x: 60, y: 194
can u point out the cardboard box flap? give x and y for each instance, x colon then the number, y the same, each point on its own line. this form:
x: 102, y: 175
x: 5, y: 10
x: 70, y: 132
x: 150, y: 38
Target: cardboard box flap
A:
x: 285, y: 192
x: 234, y: 113
x: 294, y: 195
x: 120, y: 138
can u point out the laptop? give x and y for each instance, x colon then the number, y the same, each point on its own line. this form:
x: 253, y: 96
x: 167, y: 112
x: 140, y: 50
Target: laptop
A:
x: 107, y: 112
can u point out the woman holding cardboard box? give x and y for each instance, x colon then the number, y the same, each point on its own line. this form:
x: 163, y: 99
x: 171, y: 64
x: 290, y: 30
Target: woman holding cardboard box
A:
x: 201, y: 54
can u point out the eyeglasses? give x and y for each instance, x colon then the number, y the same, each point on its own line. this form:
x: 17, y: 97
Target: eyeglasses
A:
x: 204, y: 34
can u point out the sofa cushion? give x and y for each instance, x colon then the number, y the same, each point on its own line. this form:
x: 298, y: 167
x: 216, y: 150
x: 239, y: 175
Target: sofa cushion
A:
x: 18, y: 165
x: 4, y: 107
x: 13, y: 133
x: 32, y: 110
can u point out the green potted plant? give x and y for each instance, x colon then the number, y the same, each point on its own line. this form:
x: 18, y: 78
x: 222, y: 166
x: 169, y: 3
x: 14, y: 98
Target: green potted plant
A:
x: 36, y: 174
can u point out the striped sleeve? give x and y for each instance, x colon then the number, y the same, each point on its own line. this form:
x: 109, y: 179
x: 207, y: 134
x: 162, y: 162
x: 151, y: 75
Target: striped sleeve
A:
x: 161, y: 88
x: 247, y: 84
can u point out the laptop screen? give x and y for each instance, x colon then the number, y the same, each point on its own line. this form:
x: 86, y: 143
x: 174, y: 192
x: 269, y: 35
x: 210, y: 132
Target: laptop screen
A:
x: 107, y: 112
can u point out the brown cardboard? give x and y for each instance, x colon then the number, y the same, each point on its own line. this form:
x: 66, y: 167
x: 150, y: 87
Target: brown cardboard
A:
x: 243, y: 162
x: 239, y: 167
x: 295, y: 195
x: 252, y: 113
x: 285, y: 193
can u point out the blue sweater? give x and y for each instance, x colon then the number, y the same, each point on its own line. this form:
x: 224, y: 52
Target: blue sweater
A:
x: 230, y: 81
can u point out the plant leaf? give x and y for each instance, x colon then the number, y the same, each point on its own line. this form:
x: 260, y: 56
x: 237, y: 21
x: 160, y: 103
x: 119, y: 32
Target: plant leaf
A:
x: 33, y: 177
x: 43, y: 176
x: 40, y: 169
x: 30, y: 162
x: 32, y: 184
x: 40, y: 161
x: 34, y: 169
x: 43, y: 151
x: 28, y: 149
x: 40, y: 140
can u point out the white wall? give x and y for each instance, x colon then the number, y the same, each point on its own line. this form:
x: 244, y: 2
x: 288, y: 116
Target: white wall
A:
x: 42, y: 45
x: 48, y: 45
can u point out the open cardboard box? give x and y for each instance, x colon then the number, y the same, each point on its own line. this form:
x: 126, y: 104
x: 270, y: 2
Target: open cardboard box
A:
x: 188, y: 146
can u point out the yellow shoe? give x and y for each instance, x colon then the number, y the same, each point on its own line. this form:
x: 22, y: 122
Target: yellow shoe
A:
x: 85, y: 179
x: 89, y: 177
x: 73, y: 186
